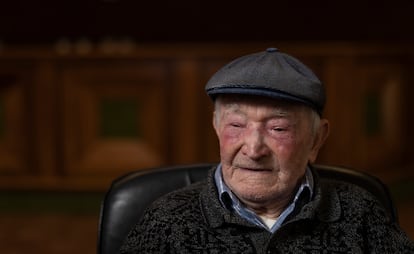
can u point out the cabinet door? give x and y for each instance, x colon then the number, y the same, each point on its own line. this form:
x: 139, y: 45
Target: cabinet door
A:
x: 365, y: 107
x: 15, y: 119
x: 114, y: 116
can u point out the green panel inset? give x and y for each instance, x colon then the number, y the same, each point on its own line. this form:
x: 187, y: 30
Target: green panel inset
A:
x: 372, y: 116
x: 119, y: 118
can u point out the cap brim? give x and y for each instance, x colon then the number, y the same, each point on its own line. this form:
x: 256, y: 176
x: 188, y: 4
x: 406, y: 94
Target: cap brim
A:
x: 214, y: 92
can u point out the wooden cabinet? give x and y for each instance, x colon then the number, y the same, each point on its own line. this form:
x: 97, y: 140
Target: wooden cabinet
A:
x: 75, y: 121
x: 16, y: 82
x: 114, y: 115
x: 367, y: 111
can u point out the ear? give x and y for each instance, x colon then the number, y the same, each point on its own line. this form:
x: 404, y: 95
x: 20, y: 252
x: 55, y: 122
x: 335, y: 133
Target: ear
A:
x: 319, y: 139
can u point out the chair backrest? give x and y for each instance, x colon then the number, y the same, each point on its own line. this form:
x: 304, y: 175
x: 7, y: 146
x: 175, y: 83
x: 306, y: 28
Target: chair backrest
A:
x: 129, y: 195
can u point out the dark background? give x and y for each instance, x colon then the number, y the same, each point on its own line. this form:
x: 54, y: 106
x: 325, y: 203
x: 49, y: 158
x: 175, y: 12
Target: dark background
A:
x: 46, y: 21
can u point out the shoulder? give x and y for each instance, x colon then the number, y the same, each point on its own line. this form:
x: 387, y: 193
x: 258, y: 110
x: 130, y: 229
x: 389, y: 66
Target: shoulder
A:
x: 180, y: 196
x: 354, y: 200
x: 179, y: 205
x: 363, y: 212
x: 163, y: 220
x: 346, y: 191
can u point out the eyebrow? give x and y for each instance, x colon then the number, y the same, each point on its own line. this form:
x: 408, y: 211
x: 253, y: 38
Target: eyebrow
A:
x: 280, y: 113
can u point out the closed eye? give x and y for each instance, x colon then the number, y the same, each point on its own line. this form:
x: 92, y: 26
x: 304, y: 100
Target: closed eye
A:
x: 237, y: 125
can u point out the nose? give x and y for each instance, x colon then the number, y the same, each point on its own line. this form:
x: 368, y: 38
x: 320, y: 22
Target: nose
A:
x: 254, y: 145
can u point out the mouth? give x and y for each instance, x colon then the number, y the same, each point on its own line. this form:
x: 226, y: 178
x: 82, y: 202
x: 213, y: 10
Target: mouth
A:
x: 255, y: 169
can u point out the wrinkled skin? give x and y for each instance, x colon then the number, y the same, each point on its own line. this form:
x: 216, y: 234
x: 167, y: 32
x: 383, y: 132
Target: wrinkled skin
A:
x: 265, y: 147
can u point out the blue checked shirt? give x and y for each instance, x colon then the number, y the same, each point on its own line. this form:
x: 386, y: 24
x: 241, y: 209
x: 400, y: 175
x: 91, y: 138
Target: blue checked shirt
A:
x: 240, y: 209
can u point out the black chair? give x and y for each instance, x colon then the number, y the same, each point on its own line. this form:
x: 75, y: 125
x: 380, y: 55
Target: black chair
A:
x: 129, y: 195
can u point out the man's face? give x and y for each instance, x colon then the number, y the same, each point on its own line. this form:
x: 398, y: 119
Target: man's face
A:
x: 265, y: 146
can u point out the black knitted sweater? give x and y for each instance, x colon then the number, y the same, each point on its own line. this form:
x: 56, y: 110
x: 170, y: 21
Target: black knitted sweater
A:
x: 340, y: 218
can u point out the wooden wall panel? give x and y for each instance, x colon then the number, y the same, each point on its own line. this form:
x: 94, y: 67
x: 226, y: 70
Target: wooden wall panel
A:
x: 209, y: 148
x: 43, y: 121
x: 76, y: 121
x: 365, y: 108
x: 85, y: 88
x: 381, y: 143
x: 183, y: 112
x: 15, y: 117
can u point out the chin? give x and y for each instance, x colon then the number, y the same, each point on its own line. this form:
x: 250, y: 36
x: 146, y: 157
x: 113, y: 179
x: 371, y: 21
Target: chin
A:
x: 256, y: 195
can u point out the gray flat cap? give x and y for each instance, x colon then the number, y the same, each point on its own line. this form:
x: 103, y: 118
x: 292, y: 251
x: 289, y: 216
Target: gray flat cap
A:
x: 270, y: 73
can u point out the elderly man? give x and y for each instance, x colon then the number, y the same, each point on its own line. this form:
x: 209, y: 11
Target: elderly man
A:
x: 264, y: 196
